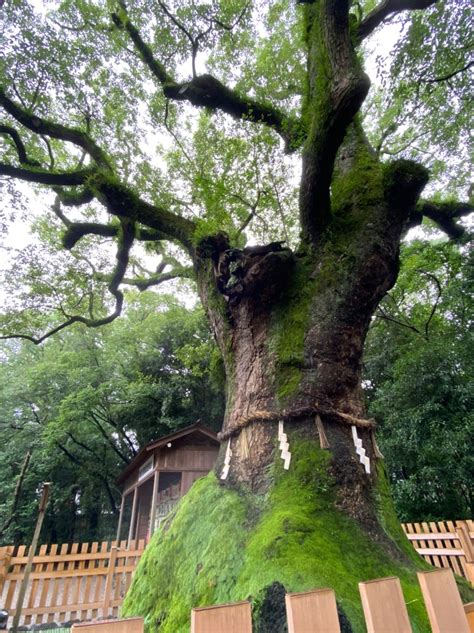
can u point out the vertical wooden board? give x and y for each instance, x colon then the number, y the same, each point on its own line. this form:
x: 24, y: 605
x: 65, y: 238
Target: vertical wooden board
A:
x: 469, y: 611
x: 88, y: 585
x: 431, y: 544
x: 466, y: 561
x: 422, y: 543
x: 231, y: 618
x: 384, y: 606
x: 130, y: 625
x: 65, y: 585
x: 314, y: 611
x: 100, y: 578
x: 436, y: 528
x: 14, y: 585
x: 77, y: 593
x: 34, y: 585
x: 443, y: 602
x: 73, y: 580
x: 109, y: 581
x: 48, y: 583
x: 455, y: 563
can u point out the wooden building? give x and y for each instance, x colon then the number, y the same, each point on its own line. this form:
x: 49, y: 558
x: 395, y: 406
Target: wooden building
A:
x: 160, y: 474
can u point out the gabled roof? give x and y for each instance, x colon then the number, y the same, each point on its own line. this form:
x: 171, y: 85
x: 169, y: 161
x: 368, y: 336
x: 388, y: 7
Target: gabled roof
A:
x: 142, y: 455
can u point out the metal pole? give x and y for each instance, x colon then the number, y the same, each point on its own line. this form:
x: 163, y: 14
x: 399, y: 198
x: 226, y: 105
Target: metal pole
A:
x: 24, y: 584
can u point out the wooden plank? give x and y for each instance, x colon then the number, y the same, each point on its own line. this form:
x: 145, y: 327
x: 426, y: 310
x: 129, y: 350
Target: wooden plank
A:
x: 469, y: 611
x: 432, y: 545
x: 433, y: 536
x: 314, y: 611
x: 8, y: 605
x: 129, y: 625
x: 231, y: 618
x: 57, y: 587
x: 439, y: 528
x: 75, y: 595
x: 61, y: 558
x: 455, y: 562
x: 462, y: 530
x: 435, y: 552
x: 34, y: 583
x: 384, y: 606
x: 47, y: 570
x: 69, y: 573
x: 443, y: 602
x: 90, y: 566
x: 109, y: 581
x: 100, y: 580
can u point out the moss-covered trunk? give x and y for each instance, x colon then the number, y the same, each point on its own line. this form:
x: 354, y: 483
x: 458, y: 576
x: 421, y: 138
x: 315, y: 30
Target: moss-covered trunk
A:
x: 291, y: 327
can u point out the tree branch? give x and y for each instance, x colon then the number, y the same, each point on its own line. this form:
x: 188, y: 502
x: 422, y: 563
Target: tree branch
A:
x: 448, y: 76
x: 44, y: 177
x: 444, y: 214
x: 126, y: 236
x: 20, y: 147
x: 205, y: 91
x: 54, y: 130
x: 157, y: 279
x: 16, y: 496
x: 386, y: 8
x: 337, y: 89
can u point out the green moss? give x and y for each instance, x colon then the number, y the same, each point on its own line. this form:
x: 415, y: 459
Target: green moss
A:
x: 223, y: 546
x: 287, y: 329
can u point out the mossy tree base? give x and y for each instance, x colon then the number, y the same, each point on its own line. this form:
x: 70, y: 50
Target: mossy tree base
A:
x: 224, y: 546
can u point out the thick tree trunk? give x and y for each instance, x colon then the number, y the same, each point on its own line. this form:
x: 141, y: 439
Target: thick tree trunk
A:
x: 291, y: 329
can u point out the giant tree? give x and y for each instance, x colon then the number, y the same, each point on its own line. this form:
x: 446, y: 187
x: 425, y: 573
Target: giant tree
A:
x: 239, y: 96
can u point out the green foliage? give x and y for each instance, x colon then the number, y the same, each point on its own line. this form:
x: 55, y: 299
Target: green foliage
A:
x: 85, y: 402
x: 223, y: 546
x: 419, y: 382
x: 422, y: 107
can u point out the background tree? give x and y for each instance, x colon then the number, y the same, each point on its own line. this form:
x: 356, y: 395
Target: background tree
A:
x: 236, y: 88
x: 419, y: 382
x: 84, y: 404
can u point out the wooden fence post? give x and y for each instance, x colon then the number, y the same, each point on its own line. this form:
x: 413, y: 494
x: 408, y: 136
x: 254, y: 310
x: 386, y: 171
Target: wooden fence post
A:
x: 109, y: 581
x: 31, y: 553
x: 462, y: 530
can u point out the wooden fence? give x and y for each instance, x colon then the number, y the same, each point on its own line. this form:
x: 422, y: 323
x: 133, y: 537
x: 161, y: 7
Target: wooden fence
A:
x: 71, y: 582
x: 448, y: 544
x: 383, y: 605
x: 89, y: 580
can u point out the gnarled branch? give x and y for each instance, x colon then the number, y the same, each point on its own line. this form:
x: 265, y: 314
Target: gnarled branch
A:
x: 445, y: 215
x: 44, y: 177
x: 206, y: 91
x: 384, y: 10
x: 127, y: 236
x: 19, y: 145
x: 44, y: 127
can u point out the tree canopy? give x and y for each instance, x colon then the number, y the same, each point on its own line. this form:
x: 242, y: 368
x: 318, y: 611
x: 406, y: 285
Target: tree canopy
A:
x: 158, y: 125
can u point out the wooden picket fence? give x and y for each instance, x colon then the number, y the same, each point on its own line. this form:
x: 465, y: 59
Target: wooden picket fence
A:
x: 383, y: 605
x: 71, y: 582
x: 89, y: 580
x: 448, y: 544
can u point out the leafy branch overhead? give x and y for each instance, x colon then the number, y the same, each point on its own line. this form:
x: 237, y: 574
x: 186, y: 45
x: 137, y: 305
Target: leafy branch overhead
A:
x: 89, y: 115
